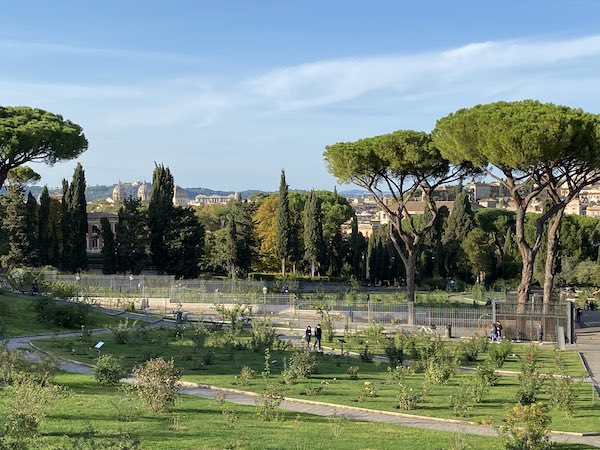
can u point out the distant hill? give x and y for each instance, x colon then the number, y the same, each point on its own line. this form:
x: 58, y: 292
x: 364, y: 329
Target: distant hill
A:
x: 101, y: 192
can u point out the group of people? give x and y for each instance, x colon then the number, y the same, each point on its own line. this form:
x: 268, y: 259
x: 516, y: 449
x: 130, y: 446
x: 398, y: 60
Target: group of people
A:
x: 308, y: 337
x: 496, y: 331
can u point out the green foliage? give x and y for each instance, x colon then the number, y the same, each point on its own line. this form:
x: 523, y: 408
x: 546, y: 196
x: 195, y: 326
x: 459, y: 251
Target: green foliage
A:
x: 394, y: 352
x: 122, y: 331
x: 262, y: 335
x: 108, y: 370
x: 561, y: 388
x: 486, y: 374
x: 27, y: 403
x: 268, y: 404
x: 366, y: 355
x: 530, y: 380
x: 408, y: 398
x: 60, y: 313
x: 526, y: 427
x: 184, y: 239
x: 458, y: 226
x: 74, y: 223
x: 499, y: 352
x: 109, y: 249
x: 301, y: 365
x: 62, y: 289
x: 160, y: 210
x: 439, y: 369
x: 246, y: 375
x: 157, y: 384
x: 468, y: 351
x: 314, y: 244
x: 131, y: 237
x: 31, y: 134
x: 353, y: 372
x: 283, y: 240
x: 14, y: 223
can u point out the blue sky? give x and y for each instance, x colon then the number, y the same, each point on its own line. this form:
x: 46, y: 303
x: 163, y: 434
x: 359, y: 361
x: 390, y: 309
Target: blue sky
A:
x: 227, y: 93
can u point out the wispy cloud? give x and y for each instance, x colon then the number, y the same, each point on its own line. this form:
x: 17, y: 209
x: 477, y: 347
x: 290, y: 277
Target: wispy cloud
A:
x: 22, y: 48
x: 333, y: 81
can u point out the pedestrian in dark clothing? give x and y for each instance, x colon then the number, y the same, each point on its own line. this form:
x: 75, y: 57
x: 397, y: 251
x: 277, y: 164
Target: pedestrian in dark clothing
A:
x: 307, y: 336
x: 318, y: 334
x: 540, y: 333
x: 494, y: 335
x: 499, y: 329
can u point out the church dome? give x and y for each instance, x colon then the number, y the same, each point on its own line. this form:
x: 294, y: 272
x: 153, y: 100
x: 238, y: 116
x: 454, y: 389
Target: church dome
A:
x: 118, y: 193
x: 143, y: 193
x: 180, y: 197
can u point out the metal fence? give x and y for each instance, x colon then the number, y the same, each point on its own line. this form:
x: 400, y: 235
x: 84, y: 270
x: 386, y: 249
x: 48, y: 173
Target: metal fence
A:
x: 532, y: 320
x: 165, y: 295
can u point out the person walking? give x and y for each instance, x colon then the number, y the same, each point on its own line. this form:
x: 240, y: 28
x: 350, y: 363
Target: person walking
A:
x: 307, y: 336
x: 318, y: 335
x: 499, y: 330
x: 494, y: 335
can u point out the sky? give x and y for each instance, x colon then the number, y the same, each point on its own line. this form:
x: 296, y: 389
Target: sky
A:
x: 228, y: 93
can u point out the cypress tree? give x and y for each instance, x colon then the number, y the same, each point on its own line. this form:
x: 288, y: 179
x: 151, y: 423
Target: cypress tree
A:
x: 32, y: 230
x: 185, y: 243
x: 14, y: 223
x: 314, y: 244
x: 356, y: 248
x: 371, y: 257
x: 283, y: 242
x: 160, y: 210
x: 54, y: 247
x: 109, y: 255
x: 231, y: 242
x: 132, y: 237
x: 79, y: 223
x: 458, y: 225
x: 65, y: 227
x: 44, y: 227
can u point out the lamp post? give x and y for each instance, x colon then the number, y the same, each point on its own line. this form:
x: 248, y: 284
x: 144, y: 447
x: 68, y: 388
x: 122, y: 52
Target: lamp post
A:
x: 265, y: 290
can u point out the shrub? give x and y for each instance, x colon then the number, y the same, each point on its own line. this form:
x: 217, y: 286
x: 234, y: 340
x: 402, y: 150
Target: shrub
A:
x: 199, y: 335
x: 486, y: 374
x: 368, y: 391
x: 246, y: 375
x: 366, y: 355
x: 499, y: 352
x: 108, y: 370
x: 353, y: 372
x: 394, y: 353
x: 157, y: 383
x: 121, y: 331
x: 562, y: 391
x: 27, y: 403
x: 262, y: 335
x: 530, y: 380
x: 439, y: 370
x: 60, y: 313
x: 461, y: 401
x: 268, y: 403
x: 526, y: 427
x: 468, y: 351
x: 399, y: 373
x: 62, y: 289
x: 408, y: 398
x: 302, y: 364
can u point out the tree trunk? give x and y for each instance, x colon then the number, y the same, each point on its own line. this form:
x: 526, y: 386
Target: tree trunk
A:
x: 283, y: 267
x: 411, y: 268
x: 312, y: 269
x: 552, y: 245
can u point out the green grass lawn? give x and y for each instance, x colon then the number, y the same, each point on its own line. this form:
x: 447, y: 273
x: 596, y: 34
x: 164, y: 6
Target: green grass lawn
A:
x: 332, y: 377
x: 19, y: 319
x: 200, y: 423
